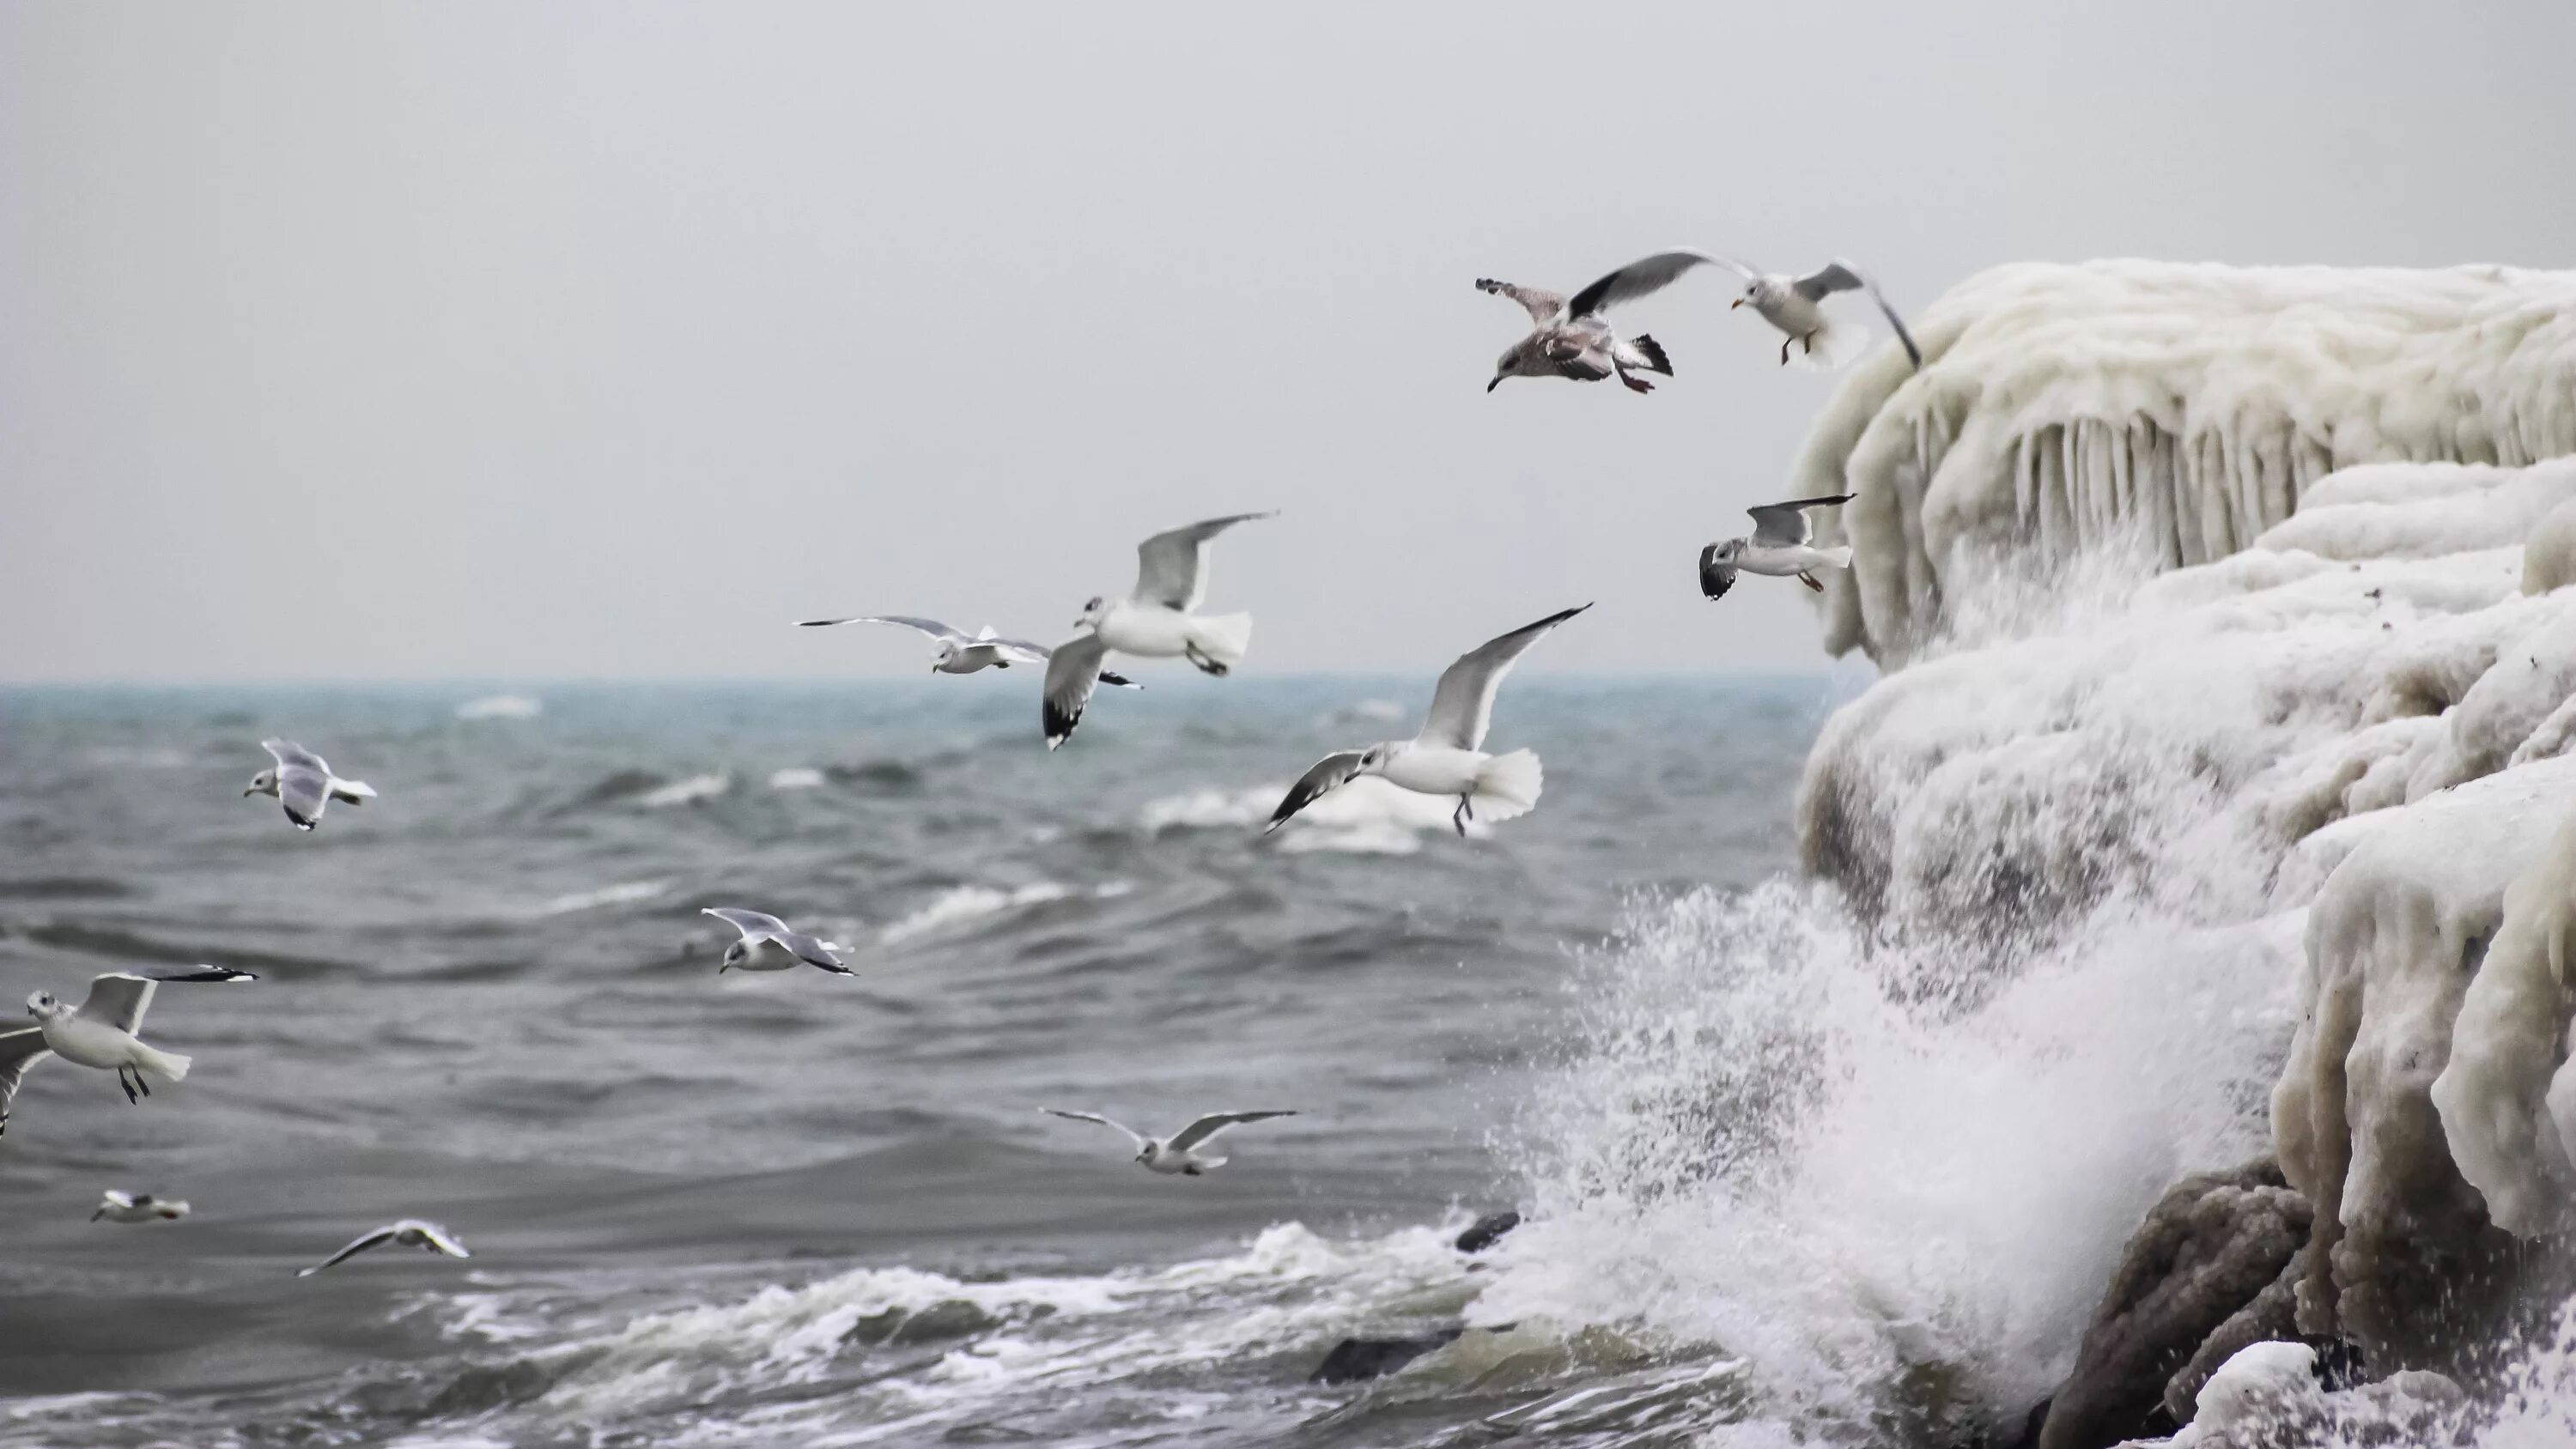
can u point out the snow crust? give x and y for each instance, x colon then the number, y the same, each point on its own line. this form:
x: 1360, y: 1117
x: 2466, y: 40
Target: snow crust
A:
x: 2191, y: 407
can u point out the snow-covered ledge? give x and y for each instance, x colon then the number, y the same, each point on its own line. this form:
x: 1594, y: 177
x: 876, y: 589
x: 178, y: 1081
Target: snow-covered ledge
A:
x: 2194, y: 405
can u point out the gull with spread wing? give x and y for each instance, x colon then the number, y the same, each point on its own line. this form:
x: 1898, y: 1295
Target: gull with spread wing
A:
x: 1448, y: 756
x: 770, y: 944
x: 101, y: 1032
x: 1779, y: 547
x: 1176, y: 1155
x: 1792, y: 304
x: 1155, y: 622
x: 409, y: 1233
x: 963, y: 653
x: 130, y: 1207
x: 1569, y: 339
x: 303, y: 782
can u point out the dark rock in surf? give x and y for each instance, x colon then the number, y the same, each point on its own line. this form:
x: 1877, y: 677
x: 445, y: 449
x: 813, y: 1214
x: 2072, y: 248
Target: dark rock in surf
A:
x: 902, y: 1328
x: 1487, y: 1231
x: 2209, y: 1249
x: 1356, y: 1360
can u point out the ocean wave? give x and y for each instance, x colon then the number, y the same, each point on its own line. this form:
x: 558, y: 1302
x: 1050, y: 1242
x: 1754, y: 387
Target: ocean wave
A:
x: 501, y: 706
x: 960, y: 904
x: 622, y: 893
x: 686, y: 792
x: 796, y: 777
x: 1368, y: 816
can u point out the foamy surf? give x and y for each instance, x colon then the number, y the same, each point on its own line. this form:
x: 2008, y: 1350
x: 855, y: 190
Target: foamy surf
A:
x: 686, y: 792
x: 501, y: 706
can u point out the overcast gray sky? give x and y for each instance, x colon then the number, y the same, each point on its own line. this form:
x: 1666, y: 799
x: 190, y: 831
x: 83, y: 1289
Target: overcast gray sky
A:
x: 605, y: 340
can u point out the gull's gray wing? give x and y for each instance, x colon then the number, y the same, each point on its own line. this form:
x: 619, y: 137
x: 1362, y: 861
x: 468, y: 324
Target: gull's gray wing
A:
x: 1019, y: 651
x: 1329, y: 774
x: 1841, y: 276
x: 931, y: 627
x: 814, y: 951
x: 1715, y: 578
x: 439, y: 1238
x: 19, y: 1050
x: 376, y: 1239
x: 1647, y: 274
x: 1139, y: 1138
x: 1463, y: 705
x: 754, y: 925
x: 1214, y: 1123
x: 289, y: 754
x: 1171, y: 567
x: 1786, y: 524
x: 1072, y: 673
x: 120, y: 998
x: 303, y: 790
x: 1542, y: 306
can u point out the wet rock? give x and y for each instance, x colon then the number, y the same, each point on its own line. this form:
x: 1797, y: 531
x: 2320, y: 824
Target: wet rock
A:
x: 1487, y: 1231
x: 904, y: 1327
x: 2209, y: 1248
x: 2274, y: 1313
x: 1355, y: 1360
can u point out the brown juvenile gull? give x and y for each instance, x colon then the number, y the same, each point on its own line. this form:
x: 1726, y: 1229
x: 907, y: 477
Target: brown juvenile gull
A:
x: 1792, y: 304
x: 1571, y: 340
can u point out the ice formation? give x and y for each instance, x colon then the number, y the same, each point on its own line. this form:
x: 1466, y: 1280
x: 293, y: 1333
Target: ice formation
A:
x: 2060, y: 407
x: 2235, y: 611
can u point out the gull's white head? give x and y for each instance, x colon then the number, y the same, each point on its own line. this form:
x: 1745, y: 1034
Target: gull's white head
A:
x: 947, y: 655
x: 735, y: 955
x: 1731, y: 550
x: 42, y: 1005
x: 1373, y: 759
x: 263, y: 783
x: 1093, y: 613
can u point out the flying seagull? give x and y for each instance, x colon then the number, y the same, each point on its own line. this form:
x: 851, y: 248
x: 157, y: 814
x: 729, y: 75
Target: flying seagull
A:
x: 127, y: 1207
x: 1778, y: 547
x: 963, y: 653
x: 100, y: 1032
x: 1792, y: 304
x: 1448, y: 756
x: 1569, y: 339
x: 303, y: 781
x: 769, y: 944
x: 1176, y: 1155
x: 1154, y: 622
x: 409, y: 1233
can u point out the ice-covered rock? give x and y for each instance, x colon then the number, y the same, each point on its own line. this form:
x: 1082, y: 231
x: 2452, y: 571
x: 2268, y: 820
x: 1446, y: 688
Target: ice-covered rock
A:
x: 2191, y: 407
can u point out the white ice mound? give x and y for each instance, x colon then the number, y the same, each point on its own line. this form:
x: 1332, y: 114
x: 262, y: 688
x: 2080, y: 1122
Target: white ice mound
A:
x: 2194, y: 406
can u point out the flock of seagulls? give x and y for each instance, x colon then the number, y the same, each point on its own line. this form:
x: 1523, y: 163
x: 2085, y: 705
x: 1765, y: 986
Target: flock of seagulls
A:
x: 1157, y: 619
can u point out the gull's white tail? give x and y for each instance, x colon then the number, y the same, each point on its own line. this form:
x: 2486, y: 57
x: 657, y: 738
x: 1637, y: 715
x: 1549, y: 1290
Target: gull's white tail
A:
x: 167, y: 1066
x: 1222, y: 637
x: 1507, y: 786
x: 1832, y: 345
x: 1838, y: 556
x: 352, y: 791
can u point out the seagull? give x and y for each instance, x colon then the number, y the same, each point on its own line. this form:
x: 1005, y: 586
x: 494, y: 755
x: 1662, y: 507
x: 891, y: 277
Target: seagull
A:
x: 409, y: 1233
x: 1569, y: 339
x: 304, y: 782
x: 1154, y: 622
x: 1788, y: 303
x: 100, y: 1032
x: 762, y: 931
x: 1447, y: 757
x: 963, y: 653
x: 1174, y: 1156
x: 127, y: 1207
x: 1778, y: 547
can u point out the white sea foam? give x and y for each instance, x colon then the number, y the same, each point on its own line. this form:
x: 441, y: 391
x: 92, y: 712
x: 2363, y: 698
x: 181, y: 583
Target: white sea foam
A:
x: 686, y: 792
x: 501, y: 706
x: 623, y: 893
x: 1368, y: 816
x: 795, y: 777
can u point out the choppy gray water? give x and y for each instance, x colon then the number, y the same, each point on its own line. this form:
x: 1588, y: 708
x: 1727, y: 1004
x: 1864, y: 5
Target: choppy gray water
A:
x: 696, y: 1202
